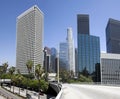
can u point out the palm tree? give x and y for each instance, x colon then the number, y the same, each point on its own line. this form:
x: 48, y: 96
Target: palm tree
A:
x: 5, y: 65
x: 19, y: 79
x: 11, y: 71
x: 29, y: 65
x: 15, y: 79
x: 38, y: 73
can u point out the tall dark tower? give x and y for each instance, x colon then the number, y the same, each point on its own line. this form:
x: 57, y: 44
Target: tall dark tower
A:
x: 88, y: 46
x: 113, y: 36
x: 83, y: 24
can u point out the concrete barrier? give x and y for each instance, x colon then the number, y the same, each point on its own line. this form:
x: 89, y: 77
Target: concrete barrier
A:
x: 56, y: 87
x: 59, y: 94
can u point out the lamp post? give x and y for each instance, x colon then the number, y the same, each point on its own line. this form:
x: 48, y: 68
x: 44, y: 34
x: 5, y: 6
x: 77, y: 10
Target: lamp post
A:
x: 58, y: 66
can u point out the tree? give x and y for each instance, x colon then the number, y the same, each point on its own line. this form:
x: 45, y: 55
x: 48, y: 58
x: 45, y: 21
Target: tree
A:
x: 85, y: 72
x: 15, y: 79
x: 64, y: 75
x: 83, y: 78
x: 5, y: 66
x: 29, y: 65
x: 11, y: 71
x: 38, y: 73
x: 19, y: 78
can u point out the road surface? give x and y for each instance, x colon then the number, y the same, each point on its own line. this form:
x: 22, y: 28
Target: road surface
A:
x: 77, y: 91
x: 1, y: 97
x: 33, y: 94
x: 8, y: 95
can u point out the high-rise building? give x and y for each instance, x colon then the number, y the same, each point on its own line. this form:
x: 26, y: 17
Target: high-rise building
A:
x: 53, y: 58
x: 110, y: 68
x: 113, y: 36
x: 83, y: 23
x: 63, y: 55
x: 71, y: 50
x: 29, y: 39
x: 47, y: 59
x: 88, y: 46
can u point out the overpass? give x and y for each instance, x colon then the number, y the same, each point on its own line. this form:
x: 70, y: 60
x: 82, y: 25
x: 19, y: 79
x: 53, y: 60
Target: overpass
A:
x: 5, y: 80
x: 84, y: 91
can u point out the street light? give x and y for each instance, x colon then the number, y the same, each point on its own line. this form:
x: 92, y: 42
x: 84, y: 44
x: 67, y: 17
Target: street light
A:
x: 58, y: 66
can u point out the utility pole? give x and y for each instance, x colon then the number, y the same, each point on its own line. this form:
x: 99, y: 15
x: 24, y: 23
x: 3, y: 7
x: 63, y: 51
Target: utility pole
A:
x: 58, y: 66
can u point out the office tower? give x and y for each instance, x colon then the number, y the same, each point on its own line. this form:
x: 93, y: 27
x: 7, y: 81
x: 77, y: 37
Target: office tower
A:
x: 47, y: 59
x: 110, y: 68
x: 71, y: 50
x: 53, y: 58
x: 83, y: 24
x: 63, y: 55
x: 29, y: 39
x: 113, y: 36
x: 88, y: 46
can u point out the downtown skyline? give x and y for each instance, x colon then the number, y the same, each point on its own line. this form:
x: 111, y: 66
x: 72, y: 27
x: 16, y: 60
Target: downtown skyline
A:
x: 58, y: 16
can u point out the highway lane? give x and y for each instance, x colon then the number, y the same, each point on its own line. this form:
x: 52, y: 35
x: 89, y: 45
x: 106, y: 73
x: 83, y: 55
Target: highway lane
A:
x: 77, y: 91
x: 8, y: 95
x: 1, y: 97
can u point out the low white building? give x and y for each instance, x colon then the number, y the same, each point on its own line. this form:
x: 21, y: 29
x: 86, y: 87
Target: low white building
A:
x: 52, y: 76
x: 110, y: 68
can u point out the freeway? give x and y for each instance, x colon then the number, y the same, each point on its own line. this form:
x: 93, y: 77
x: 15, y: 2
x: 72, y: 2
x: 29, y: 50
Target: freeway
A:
x: 8, y: 95
x: 77, y: 91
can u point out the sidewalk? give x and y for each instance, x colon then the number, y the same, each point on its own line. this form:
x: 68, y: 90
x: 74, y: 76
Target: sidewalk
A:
x: 34, y: 95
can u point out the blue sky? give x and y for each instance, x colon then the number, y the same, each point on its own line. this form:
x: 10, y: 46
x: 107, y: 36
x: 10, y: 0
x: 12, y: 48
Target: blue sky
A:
x: 58, y: 15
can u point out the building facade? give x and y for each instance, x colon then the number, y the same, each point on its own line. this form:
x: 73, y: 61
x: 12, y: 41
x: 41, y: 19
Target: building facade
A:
x: 71, y: 50
x: 47, y: 59
x: 113, y: 36
x: 83, y: 24
x: 88, y: 52
x: 88, y: 46
x: 63, y: 55
x: 29, y: 39
x: 110, y: 68
x: 53, y: 58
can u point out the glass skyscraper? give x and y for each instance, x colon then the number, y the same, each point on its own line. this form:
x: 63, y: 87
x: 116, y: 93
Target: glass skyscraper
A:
x: 113, y: 36
x: 53, y: 58
x: 88, y: 52
x: 83, y: 23
x: 88, y: 45
x: 63, y: 55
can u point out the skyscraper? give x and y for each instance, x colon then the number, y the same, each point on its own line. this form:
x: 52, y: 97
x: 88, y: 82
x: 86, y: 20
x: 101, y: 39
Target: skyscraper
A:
x: 47, y: 59
x: 29, y: 39
x: 88, y: 46
x: 63, y: 55
x: 113, y: 36
x: 71, y: 50
x: 83, y: 24
x: 53, y: 59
